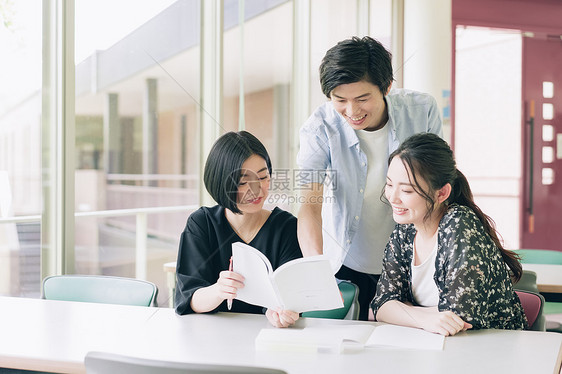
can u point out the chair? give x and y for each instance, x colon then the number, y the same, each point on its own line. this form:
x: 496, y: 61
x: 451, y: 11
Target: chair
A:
x: 532, y: 303
x: 540, y: 256
x: 109, y: 363
x: 544, y: 256
x: 350, y: 309
x: 100, y: 289
x: 528, y: 282
x: 170, y: 270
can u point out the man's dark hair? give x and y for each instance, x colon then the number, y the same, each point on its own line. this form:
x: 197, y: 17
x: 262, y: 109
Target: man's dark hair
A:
x: 353, y: 60
x: 224, y: 165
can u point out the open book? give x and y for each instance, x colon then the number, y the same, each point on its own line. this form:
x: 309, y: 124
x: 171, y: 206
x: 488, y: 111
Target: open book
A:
x: 336, y: 338
x: 300, y: 285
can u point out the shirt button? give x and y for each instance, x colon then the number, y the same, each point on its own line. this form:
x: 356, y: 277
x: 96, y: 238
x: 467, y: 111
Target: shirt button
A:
x: 361, y: 190
x: 348, y: 241
x: 363, y: 163
x: 357, y: 218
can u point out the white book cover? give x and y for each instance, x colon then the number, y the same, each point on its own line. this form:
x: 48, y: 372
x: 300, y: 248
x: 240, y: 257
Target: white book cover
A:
x: 300, y: 285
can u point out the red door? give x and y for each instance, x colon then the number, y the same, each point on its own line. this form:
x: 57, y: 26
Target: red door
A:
x: 542, y: 137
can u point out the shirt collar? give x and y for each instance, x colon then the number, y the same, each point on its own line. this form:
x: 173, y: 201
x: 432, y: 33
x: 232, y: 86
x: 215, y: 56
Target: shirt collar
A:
x: 390, y: 122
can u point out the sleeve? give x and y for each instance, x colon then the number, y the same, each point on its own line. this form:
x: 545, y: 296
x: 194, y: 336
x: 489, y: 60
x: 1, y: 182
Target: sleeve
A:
x: 464, y: 283
x: 313, y: 157
x: 196, y: 264
x: 395, y: 279
x: 434, y: 123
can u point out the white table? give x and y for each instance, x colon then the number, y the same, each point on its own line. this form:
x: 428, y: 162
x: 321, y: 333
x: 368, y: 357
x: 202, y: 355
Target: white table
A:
x: 549, y: 277
x: 56, y: 335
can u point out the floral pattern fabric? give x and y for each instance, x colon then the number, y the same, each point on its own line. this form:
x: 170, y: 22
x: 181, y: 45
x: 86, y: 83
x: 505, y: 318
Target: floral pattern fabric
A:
x: 472, y: 279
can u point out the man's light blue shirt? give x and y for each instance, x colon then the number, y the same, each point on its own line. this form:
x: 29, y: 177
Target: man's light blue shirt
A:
x: 330, y: 153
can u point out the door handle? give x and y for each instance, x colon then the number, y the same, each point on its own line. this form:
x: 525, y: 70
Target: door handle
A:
x: 531, y: 123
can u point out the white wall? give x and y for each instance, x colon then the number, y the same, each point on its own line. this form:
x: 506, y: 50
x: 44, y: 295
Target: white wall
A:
x: 427, y: 49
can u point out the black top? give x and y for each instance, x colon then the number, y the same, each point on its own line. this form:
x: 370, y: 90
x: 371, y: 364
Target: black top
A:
x: 206, y: 247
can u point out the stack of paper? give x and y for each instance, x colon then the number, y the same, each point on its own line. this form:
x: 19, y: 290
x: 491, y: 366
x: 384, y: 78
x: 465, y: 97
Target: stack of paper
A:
x: 335, y: 338
x: 405, y: 337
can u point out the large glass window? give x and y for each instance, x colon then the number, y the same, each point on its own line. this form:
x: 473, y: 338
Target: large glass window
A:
x: 137, y: 88
x: 331, y: 21
x: 257, y: 76
x: 20, y: 145
x: 137, y: 122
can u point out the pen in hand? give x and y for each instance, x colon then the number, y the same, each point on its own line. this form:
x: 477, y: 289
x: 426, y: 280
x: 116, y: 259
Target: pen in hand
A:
x: 229, y: 301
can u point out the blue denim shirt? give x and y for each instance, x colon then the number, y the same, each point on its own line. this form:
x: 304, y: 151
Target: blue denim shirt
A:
x: 330, y: 153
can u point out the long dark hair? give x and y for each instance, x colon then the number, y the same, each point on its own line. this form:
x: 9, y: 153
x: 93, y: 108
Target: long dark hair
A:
x: 430, y: 158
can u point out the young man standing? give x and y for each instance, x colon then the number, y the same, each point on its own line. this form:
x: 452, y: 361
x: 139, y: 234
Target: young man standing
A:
x: 343, y: 159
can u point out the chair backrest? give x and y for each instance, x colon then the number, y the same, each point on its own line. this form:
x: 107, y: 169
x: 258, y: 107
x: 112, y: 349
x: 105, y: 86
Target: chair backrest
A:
x: 540, y: 256
x: 533, y: 303
x: 100, y: 289
x: 109, y: 363
x: 350, y: 310
x: 528, y: 282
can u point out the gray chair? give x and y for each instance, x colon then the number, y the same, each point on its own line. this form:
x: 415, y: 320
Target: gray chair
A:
x: 110, y: 363
x: 100, y: 289
x: 528, y: 282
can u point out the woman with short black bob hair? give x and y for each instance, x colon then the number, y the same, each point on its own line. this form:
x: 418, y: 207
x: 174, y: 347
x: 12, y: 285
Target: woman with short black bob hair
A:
x: 224, y: 165
x: 237, y: 175
x: 445, y: 269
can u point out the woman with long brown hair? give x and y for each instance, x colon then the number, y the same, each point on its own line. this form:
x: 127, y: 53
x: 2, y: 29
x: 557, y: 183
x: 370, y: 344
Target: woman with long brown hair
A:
x: 445, y: 269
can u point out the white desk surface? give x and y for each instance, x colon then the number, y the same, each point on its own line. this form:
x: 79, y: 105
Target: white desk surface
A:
x: 549, y: 277
x: 56, y: 335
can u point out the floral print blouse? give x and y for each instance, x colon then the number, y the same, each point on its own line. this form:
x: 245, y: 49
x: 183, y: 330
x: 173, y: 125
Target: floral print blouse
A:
x: 472, y: 279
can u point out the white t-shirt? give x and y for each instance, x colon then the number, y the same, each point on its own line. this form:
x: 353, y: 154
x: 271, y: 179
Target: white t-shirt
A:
x: 424, y: 288
x: 375, y: 223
